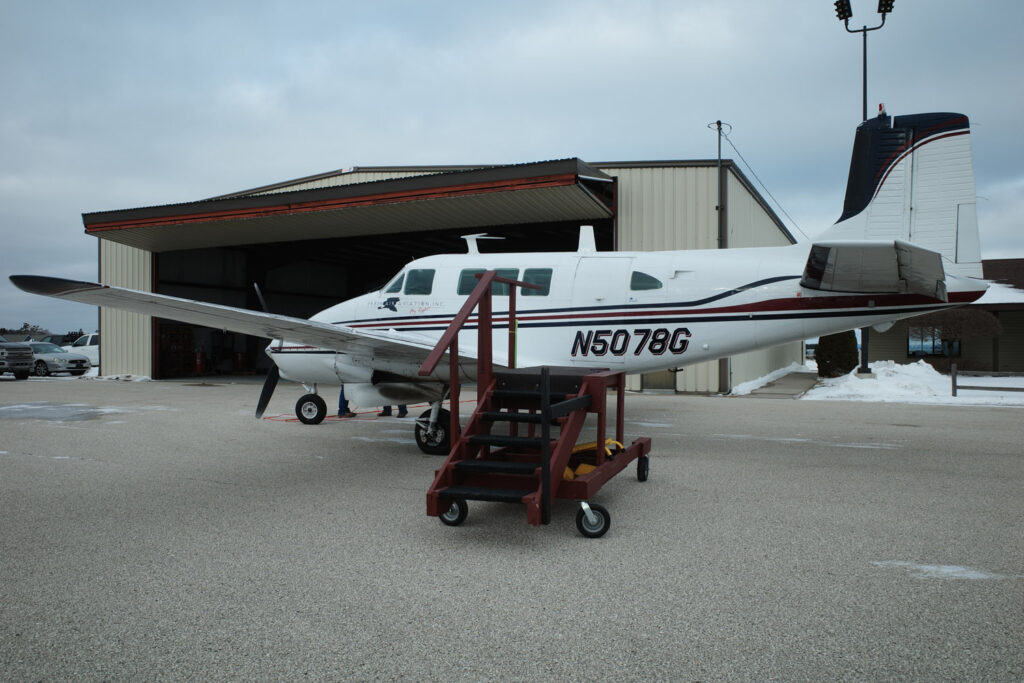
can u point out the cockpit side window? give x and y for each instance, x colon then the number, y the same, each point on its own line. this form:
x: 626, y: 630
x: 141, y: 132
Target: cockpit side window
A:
x: 419, y: 281
x: 395, y: 286
x: 640, y: 281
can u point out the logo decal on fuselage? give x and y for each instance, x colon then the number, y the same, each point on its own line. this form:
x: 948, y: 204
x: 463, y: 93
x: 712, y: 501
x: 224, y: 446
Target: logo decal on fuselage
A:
x: 391, y: 303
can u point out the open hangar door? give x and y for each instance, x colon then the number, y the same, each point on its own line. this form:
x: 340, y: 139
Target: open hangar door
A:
x: 313, y: 242
x: 304, y: 277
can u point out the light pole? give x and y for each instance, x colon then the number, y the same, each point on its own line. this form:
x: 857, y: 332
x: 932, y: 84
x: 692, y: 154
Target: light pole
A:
x: 843, y: 13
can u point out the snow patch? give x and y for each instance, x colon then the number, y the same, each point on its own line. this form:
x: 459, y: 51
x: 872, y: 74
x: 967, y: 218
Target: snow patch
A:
x: 747, y: 387
x: 939, y: 571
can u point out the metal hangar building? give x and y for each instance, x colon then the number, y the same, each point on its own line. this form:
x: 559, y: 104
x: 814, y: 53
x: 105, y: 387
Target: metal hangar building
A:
x: 314, y: 241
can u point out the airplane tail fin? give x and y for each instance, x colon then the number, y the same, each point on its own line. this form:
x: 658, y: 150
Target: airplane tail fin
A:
x: 912, y: 180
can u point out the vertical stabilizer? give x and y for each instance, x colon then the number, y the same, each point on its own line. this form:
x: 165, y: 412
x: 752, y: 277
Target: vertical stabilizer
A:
x: 912, y: 179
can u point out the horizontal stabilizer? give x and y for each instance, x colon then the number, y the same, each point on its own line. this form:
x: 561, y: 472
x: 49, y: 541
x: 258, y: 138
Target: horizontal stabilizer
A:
x: 875, y: 267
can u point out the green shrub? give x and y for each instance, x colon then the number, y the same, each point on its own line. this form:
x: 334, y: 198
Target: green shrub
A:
x: 836, y: 354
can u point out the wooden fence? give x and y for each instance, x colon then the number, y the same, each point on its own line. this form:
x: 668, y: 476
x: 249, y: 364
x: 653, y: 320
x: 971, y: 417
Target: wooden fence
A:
x: 953, y: 376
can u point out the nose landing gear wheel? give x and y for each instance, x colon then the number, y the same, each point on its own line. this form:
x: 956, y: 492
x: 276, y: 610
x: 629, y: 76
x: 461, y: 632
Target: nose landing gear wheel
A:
x: 438, y: 441
x: 593, y: 520
x: 456, y: 514
x: 311, y: 409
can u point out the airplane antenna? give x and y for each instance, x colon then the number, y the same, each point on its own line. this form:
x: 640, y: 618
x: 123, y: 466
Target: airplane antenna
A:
x: 587, y: 242
x: 471, y: 245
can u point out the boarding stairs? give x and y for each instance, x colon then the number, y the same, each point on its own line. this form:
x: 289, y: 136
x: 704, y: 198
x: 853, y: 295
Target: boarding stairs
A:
x: 521, y: 443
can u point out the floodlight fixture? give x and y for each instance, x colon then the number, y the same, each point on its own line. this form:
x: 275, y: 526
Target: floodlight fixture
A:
x: 843, y: 11
x: 885, y: 6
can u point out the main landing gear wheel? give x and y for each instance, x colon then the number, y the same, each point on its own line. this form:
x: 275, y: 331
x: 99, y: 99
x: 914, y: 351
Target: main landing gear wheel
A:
x: 438, y: 441
x: 311, y: 409
x: 593, y: 520
x: 456, y: 514
x: 643, y: 467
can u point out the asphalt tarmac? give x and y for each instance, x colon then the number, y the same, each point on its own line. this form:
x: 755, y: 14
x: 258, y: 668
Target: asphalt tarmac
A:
x: 157, y: 531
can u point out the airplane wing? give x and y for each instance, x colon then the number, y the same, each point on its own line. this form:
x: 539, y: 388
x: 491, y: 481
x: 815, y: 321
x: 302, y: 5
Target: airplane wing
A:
x: 388, y: 346
x: 895, y: 267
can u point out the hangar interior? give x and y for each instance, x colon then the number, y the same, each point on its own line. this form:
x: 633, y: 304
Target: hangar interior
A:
x: 312, y: 242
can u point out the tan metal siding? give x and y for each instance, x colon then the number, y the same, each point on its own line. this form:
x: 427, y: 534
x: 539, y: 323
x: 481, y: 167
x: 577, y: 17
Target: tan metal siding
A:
x: 890, y: 345
x: 126, y: 339
x: 749, y: 366
x: 749, y: 225
x: 666, y: 208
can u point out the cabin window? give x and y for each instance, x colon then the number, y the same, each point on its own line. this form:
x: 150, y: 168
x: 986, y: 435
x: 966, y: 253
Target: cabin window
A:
x: 537, y: 276
x: 395, y: 285
x: 419, y: 281
x: 641, y: 281
x: 924, y: 341
x: 468, y: 280
x: 500, y: 288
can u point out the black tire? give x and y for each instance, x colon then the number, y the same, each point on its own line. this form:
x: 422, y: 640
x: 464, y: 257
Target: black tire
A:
x: 439, y: 442
x: 456, y: 514
x: 311, y: 409
x: 22, y: 374
x: 78, y: 373
x: 600, y: 528
x: 40, y: 369
x: 643, y: 467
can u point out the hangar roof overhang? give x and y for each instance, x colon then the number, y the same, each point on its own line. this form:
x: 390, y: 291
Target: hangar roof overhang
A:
x: 541, y: 192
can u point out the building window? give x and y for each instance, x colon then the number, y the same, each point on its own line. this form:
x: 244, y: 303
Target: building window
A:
x: 924, y: 341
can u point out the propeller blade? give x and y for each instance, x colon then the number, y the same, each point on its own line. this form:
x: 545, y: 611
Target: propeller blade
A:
x: 259, y: 295
x: 268, y: 390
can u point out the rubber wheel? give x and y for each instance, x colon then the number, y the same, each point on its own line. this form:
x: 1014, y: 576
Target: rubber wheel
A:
x: 456, y: 514
x: 311, y: 409
x: 40, y: 369
x: 22, y: 374
x: 600, y: 527
x: 643, y: 467
x: 437, y: 442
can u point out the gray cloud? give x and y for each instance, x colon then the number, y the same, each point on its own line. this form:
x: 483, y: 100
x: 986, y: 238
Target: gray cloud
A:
x: 129, y: 104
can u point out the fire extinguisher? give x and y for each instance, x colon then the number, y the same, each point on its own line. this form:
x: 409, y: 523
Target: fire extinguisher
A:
x: 200, y: 362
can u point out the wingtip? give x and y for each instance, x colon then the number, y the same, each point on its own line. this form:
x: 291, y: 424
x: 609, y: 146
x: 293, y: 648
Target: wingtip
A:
x: 50, y: 286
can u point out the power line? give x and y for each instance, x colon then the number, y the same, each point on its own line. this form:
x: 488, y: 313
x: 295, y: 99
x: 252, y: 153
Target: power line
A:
x: 763, y: 187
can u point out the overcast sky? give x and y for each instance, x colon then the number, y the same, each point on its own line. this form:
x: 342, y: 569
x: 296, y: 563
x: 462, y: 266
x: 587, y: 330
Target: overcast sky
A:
x: 116, y: 105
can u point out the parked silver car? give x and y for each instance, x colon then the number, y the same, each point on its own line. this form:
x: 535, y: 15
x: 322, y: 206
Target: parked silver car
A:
x: 50, y: 358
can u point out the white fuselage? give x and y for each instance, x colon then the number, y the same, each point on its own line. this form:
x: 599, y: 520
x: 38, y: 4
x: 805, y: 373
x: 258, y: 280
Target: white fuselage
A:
x: 634, y: 311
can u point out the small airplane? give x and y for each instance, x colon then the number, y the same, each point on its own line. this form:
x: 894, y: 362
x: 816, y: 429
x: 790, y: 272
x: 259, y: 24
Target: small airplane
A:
x: 905, y: 244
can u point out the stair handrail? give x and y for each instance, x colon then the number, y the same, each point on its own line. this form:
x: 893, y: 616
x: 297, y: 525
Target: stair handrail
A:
x: 449, y: 342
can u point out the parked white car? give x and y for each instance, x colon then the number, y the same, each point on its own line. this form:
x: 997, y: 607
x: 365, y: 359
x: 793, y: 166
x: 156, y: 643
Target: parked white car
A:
x: 88, y: 345
x: 50, y: 358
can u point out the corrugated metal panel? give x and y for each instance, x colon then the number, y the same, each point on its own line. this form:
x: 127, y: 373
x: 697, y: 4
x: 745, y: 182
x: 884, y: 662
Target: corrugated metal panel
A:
x: 349, y: 178
x: 1011, y: 350
x: 749, y: 225
x: 750, y: 366
x: 889, y: 345
x: 126, y: 339
x: 665, y: 208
